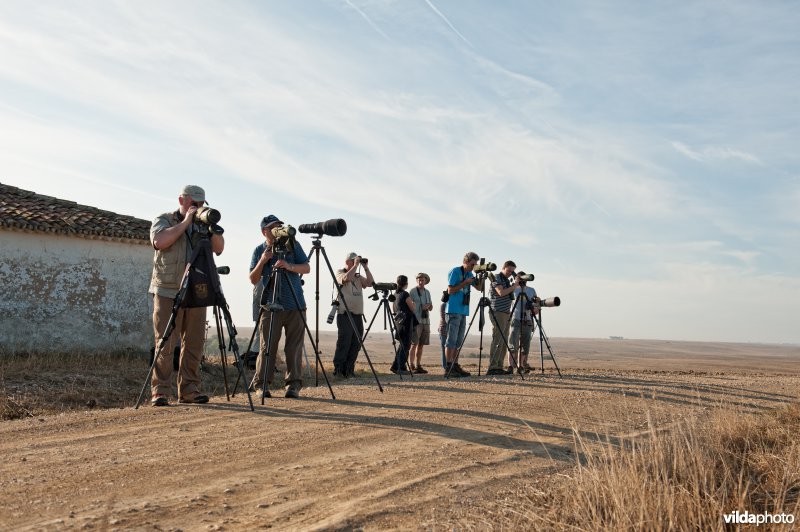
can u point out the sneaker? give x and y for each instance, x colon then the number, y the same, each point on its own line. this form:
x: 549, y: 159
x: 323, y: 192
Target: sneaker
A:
x: 197, y: 400
x: 413, y: 368
x: 159, y: 400
x: 496, y: 371
x: 420, y: 370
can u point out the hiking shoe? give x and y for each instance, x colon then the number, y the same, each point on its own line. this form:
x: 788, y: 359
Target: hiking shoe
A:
x: 292, y: 393
x: 159, y: 400
x: 509, y: 370
x: 462, y: 371
x: 496, y: 371
x: 196, y: 400
x: 454, y: 372
x: 420, y: 370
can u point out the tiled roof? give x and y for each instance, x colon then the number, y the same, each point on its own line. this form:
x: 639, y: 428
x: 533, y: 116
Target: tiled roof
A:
x: 24, y: 210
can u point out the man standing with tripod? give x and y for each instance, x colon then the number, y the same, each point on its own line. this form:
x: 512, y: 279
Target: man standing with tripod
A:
x: 502, y: 297
x: 459, y: 280
x: 348, y: 341
x: 174, y: 236
x: 286, y: 309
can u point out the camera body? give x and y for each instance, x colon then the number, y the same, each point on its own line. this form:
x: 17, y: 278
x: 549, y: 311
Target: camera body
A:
x: 364, y: 261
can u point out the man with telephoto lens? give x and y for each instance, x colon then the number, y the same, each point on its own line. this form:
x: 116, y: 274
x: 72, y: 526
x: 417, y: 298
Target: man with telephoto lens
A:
x: 348, y: 341
x: 287, y: 314
x: 522, y: 325
x: 174, y: 236
x: 501, y: 300
x: 459, y: 281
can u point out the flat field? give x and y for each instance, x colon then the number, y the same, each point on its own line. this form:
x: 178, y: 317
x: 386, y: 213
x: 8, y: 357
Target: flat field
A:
x: 426, y: 453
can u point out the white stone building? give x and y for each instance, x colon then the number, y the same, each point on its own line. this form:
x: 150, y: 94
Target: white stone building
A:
x: 73, y: 278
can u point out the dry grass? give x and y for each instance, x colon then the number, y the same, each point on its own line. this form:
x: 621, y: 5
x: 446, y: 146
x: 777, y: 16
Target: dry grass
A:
x: 685, y: 478
x: 36, y: 384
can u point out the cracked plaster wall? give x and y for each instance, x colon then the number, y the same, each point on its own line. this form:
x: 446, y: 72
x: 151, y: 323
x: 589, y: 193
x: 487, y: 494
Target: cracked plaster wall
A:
x: 71, y: 294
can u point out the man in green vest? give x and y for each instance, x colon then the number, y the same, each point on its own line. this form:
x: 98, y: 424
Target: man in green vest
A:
x: 174, y: 236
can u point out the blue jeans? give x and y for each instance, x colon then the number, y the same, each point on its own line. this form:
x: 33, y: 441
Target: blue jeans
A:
x: 456, y: 327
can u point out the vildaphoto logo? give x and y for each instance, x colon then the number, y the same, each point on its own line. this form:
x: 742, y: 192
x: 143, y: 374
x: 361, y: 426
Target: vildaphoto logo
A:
x: 746, y: 518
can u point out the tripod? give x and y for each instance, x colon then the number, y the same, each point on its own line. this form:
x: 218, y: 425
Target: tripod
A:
x: 276, y: 277
x: 317, y: 249
x: 543, y: 340
x: 387, y: 317
x: 482, y: 303
x: 194, y: 292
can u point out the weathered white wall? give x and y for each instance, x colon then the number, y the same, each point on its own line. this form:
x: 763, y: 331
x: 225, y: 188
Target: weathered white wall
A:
x: 70, y: 294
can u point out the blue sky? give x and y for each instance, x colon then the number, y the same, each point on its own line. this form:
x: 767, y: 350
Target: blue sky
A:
x: 639, y: 158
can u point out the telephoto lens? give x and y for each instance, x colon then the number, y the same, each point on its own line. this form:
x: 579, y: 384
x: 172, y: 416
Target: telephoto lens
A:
x: 334, y: 308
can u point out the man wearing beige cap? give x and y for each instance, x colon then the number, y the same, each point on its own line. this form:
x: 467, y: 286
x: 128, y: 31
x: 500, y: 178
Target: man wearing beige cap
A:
x: 421, y: 335
x: 348, y: 341
x: 174, y: 236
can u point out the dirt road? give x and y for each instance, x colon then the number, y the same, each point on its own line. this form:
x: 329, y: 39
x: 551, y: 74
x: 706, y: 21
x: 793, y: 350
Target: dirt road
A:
x: 425, y: 453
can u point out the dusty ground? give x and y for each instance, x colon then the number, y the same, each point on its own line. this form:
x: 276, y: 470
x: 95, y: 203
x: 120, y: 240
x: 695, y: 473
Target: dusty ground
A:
x: 426, y: 453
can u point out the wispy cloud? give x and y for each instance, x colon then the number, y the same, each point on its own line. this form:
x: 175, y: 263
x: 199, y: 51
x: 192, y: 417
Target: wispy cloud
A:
x: 369, y: 20
x: 715, y: 153
x: 446, y: 21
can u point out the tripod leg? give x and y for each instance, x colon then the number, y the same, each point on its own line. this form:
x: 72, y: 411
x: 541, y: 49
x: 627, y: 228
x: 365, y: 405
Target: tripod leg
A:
x: 504, y: 338
x: 168, y: 330
x: 313, y: 343
x: 460, y: 345
x: 223, y: 355
x: 249, y: 350
x: 223, y: 306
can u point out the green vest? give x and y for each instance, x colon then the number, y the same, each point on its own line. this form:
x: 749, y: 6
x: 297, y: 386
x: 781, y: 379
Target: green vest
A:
x: 169, y: 264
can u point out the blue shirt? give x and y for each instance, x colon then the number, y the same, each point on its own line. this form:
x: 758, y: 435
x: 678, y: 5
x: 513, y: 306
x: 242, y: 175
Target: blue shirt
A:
x: 298, y: 256
x: 455, y: 305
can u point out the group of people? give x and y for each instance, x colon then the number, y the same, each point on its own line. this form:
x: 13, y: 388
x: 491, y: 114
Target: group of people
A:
x: 279, y: 307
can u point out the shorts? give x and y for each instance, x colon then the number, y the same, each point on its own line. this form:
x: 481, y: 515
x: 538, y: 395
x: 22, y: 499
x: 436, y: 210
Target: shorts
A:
x: 456, y: 327
x: 421, y: 335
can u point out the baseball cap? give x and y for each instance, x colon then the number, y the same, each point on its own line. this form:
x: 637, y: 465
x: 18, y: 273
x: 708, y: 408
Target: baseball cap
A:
x: 351, y: 256
x: 269, y: 220
x: 194, y: 192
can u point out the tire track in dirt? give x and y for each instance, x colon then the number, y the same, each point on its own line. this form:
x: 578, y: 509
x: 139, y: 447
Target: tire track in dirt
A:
x: 414, y: 455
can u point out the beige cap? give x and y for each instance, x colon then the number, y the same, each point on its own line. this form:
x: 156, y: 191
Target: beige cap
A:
x: 194, y: 192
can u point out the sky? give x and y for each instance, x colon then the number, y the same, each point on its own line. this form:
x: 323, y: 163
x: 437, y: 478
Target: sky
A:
x: 639, y: 158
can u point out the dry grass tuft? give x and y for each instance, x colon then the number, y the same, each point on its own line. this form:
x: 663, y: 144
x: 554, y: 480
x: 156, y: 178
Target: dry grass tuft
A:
x: 685, y: 478
x: 36, y: 384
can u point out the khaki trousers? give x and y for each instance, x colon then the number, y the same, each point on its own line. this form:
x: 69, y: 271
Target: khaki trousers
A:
x: 292, y: 322
x: 190, y: 328
x: 501, y: 322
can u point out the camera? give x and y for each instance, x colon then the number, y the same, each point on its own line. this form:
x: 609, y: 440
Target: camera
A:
x: 332, y: 227
x: 424, y: 314
x: 522, y: 276
x: 445, y: 296
x: 334, y: 309
x: 364, y: 260
x: 207, y: 218
x: 385, y: 287
x: 484, y: 267
x: 551, y: 302
x: 207, y: 215
x: 284, y: 238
